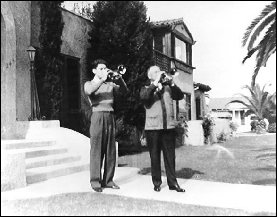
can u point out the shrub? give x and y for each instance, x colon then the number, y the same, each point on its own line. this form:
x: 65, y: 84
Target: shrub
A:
x: 261, y: 126
x: 272, y: 119
x: 222, y: 137
x: 207, y: 124
x: 253, y: 125
x: 272, y: 128
x: 234, y: 126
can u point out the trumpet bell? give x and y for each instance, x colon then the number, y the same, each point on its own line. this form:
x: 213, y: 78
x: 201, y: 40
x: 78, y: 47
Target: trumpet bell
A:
x: 121, y: 69
x: 114, y: 75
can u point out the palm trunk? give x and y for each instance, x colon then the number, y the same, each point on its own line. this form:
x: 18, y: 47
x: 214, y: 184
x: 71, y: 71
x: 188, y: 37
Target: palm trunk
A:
x: 255, y: 73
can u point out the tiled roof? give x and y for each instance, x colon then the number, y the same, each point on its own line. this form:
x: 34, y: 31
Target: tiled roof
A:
x: 202, y: 86
x: 220, y: 103
x: 168, y: 22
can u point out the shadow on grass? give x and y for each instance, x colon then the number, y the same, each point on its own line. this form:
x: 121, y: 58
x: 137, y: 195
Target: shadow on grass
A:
x: 184, y: 173
x: 265, y: 149
x: 265, y: 182
x: 269, y: 169
x: 187, y: 173
x: 267, y: 155
x: 147, y: 171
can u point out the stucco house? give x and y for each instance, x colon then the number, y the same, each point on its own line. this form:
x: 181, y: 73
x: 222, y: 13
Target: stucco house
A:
x: 173, y: 45
x: 221, y: 108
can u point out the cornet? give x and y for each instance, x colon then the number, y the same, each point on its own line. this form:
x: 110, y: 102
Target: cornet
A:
x: 116, y: 74
x: 166, y: 79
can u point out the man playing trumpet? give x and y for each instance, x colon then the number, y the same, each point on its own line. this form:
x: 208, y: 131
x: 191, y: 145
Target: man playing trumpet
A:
x: 100, y: 91
x: 159, y: 125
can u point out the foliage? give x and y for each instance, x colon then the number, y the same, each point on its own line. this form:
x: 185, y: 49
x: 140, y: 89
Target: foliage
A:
x: 253, y: 125
x: 267, y: 46
x: 261, y: 126
x: 222, y: 137
x: 233, y: 126
x: 272, y: 119
x: 262, y: 123
x: 121, y: 34
x: 207, y: 125
x: 182, y: 124
x: 48, y: 66
x: 272, y: 128
x: 260, y: 102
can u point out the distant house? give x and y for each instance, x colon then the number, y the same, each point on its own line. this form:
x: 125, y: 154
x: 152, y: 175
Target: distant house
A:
x: 172, y: 47
x: 232, y: 111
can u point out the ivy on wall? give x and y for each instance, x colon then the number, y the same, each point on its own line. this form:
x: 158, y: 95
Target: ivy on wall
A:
x: 48, y: 64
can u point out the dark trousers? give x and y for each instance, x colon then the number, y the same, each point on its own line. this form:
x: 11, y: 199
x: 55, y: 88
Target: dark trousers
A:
x: 102, y: 141
x: 158, y: 140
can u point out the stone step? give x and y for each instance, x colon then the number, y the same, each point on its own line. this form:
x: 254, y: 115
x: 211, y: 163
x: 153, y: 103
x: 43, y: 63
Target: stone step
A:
x: 40, y: 174
x: 25, y: 143
x: 38, y: 152
x: 51, y: 160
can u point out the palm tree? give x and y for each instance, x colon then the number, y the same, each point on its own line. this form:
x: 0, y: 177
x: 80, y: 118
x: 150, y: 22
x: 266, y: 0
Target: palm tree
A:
x: 259, y: 103
x: 267, y: 46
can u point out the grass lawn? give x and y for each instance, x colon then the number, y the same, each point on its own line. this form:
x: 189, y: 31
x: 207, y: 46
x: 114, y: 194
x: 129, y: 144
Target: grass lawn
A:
x: 93, y: 204
x: 243, y: 160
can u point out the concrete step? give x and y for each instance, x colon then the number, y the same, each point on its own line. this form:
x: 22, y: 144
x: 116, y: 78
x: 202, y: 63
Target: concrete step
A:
x: 40, y: 174
x: 38, y: 152
x: 51, y: 160
x: 25, y: 143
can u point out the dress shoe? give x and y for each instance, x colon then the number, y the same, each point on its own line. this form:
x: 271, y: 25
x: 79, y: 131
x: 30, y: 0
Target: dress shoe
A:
x: 113, y: 187
x: 157, y: 188
x: 177, y: 188
x: 98, y: 189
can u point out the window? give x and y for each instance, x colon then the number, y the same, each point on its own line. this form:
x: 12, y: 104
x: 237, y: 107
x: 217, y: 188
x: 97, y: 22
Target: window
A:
x: 159, y: 43
x: 180, y: 50
x: 198, y: 109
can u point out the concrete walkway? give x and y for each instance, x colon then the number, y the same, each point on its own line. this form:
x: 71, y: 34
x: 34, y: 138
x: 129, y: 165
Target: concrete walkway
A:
x: 205, y: 193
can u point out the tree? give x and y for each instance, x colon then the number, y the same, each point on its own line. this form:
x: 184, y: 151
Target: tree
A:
x: 259, y: 103
x: 48, y: 66
x: 267, y: 46
x: 121, y: 34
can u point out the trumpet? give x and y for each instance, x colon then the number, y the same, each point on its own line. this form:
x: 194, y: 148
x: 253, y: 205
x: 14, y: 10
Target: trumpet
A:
x: 167, y: 78
x: 116, y: 74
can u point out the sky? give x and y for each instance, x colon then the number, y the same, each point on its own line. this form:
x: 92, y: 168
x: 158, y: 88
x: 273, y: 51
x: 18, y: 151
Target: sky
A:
x: 218, y: 28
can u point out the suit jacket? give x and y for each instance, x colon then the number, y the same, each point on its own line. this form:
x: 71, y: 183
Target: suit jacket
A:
x: 159, y: 106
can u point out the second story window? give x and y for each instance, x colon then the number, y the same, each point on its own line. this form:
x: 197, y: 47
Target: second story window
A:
x: 159, y: 43
x: 180, y: 50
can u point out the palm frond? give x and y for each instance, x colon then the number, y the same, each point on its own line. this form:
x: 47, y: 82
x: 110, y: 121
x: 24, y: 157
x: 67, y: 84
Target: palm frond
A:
x: 249, y: 106
x: 250, y: 53
x: 267, y: 46
x: 259, y: 29
x: 270, y: 51
x: 259, y: 102
x: 238, y: 101
x: 253, y: 93
x: 267, y: 10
